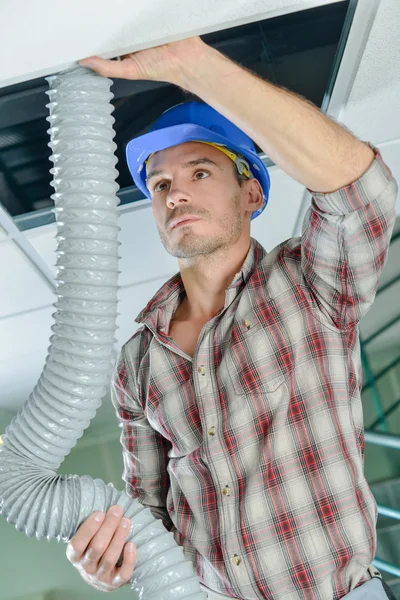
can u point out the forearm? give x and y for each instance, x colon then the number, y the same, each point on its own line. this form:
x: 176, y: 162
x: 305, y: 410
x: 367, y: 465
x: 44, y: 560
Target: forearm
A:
x: 295, y: 134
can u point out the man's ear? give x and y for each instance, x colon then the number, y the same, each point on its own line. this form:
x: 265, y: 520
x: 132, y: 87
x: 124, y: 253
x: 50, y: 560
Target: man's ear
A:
x: 255, y: 194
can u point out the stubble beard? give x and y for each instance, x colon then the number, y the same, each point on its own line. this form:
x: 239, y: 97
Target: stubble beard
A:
x: 190, y: 246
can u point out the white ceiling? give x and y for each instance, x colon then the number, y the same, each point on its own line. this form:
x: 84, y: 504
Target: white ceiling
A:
x: 109, y: 29
x: 365, y: 99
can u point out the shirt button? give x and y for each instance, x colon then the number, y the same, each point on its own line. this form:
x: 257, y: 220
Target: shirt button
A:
x: 236, y: 560
x: 211, y: 431
x: 227, y: 491
x: 201, y: 370
x: 246, y: 324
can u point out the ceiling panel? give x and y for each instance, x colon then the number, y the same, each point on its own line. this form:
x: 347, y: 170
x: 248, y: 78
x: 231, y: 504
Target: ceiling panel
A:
x: 131, y: 301
x: 145, y: 264
x: 139, y: 236
x: 144, y: 258
x: 97, y: 28
x: 372, y: 109
x: 44, y: 241
x: 298, y: 51
x: 278, y: 220
x: 23, y: 356
x: 22, y: 287
x: 145, y: 267
x: 19, y: 376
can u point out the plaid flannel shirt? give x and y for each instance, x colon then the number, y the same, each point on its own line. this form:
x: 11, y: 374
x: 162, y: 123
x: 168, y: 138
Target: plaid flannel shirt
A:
x: 252, y: 451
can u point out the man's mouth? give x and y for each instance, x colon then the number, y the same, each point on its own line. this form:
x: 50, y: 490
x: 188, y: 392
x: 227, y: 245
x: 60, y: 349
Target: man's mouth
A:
x: 185, y: 221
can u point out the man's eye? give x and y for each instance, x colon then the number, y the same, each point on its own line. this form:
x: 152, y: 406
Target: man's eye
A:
x: 201, y: 171
x: 163, y: 181
x: 155, y: 187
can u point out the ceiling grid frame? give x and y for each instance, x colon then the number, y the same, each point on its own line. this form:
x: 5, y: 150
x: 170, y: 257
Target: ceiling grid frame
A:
x: 348, y: 69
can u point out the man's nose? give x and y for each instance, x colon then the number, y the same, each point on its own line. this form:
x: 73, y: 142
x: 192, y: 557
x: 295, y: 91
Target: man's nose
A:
x: 177, y: 196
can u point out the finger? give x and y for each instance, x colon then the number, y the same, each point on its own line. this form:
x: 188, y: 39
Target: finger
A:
x: 127, y: 568
x: 112, y: 554
x: 83, y: 536
x: 122, y: 69
x: 101, y: 540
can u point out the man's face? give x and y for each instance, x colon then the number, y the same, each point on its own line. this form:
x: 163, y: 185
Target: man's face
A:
x: 207, y: 192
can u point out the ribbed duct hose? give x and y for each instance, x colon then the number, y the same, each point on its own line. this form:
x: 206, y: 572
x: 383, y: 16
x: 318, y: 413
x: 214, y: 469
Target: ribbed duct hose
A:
x: 79, y: 366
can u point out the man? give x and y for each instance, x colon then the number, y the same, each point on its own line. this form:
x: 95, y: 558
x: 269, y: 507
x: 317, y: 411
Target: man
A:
x: 239, y: 395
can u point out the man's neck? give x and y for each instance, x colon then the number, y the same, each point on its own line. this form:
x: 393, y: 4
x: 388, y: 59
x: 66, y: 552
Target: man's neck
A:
x: 206, y: 281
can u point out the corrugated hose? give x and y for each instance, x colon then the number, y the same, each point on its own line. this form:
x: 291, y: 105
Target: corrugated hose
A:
x: 81, y: 357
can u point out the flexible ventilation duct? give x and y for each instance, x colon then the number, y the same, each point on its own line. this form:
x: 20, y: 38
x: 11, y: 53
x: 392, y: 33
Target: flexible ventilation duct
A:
x: 81, y: 357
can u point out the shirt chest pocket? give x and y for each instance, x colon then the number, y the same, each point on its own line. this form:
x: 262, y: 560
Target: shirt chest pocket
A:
x: 171, y: 409
x: 259, y: 358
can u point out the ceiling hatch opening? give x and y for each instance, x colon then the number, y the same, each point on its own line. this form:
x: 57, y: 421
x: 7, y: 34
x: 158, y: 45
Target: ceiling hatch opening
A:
x: 299, y: 51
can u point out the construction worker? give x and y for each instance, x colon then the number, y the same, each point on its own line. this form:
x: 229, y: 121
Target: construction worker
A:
x: 239, y: 395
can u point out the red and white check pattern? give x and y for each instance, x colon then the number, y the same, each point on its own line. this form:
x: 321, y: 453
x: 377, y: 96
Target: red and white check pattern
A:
x: 252, y: 452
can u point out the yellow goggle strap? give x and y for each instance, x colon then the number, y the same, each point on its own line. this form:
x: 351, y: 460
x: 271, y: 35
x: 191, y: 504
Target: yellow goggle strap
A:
x: 241, y: 164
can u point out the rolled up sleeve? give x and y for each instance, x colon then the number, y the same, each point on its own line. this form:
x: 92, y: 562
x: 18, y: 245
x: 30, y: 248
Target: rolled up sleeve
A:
x: 345, y: 241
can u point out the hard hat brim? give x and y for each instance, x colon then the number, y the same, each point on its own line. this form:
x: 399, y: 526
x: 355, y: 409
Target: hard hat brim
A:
x: 140, y: 148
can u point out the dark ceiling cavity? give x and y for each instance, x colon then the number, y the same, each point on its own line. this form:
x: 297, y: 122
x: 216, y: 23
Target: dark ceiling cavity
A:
x: 297, y: 51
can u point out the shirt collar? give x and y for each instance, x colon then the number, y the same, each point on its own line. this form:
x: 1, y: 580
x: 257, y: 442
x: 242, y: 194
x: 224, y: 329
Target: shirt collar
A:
x: 159, y: 310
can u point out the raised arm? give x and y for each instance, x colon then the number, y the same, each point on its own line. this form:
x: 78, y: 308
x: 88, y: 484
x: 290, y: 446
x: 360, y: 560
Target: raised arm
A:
x: 345, y: 241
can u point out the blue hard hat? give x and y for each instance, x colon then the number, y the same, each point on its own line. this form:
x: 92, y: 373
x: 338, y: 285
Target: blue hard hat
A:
x: 192, y: 122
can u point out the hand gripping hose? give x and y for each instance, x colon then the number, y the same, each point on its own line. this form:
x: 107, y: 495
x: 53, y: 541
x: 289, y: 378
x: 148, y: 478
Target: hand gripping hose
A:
x: 79, y: 365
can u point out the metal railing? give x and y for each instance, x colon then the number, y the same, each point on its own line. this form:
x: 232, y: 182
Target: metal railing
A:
x: 371, y: 434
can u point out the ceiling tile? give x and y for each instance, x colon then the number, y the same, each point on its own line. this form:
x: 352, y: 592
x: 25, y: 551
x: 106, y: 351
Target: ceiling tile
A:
x: 25, y: 339
x: 43, y: 239
x: 23, y: 289
x: 373, y: 105
x: 3, y: 234
x: 146, y: 265
x: 277, y: 222
x: 143, y: 257
x: 96, y: 28
x: 131, y: 301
